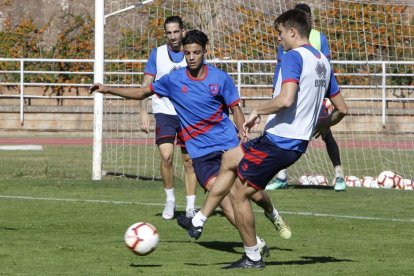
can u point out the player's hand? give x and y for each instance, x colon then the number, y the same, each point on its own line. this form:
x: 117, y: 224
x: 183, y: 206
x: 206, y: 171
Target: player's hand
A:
x: 251, y: 123
x: 242, y: 137
x: 98, y: 87
x: 144, y: 121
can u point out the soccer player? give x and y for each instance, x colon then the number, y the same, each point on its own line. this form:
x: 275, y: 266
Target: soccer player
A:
x: 202, y: 96
x: 319, y: 41
x: 305, y: 79
x: 161, y: 61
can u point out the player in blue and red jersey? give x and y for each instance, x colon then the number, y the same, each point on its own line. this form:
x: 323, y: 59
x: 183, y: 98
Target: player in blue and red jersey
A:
x: 305, y: 79
x: 319, y: 41
x: 202, y: 95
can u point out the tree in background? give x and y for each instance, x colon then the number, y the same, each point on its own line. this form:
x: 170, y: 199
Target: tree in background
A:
x: 352, y: 36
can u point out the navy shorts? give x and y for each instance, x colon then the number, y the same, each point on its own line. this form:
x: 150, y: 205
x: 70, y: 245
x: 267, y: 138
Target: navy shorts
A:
x: 262, y: 160
x: 207, y: 167
x: 167, y: 128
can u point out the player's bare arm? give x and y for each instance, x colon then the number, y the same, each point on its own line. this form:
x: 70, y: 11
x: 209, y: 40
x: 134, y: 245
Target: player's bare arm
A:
x: 125, y: 92
x: 238, y: 119
x: 251, y: 123
x: 144, y: 118
x: 284, y: 100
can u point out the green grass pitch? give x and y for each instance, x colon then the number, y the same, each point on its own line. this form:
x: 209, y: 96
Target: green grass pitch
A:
x: 54, y: 220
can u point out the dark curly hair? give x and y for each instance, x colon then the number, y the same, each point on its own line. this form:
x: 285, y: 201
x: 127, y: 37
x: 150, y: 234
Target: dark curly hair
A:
x: 197, y: 37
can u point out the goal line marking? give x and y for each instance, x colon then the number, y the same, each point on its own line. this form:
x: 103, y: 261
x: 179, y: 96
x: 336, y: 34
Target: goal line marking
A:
x: 159, y: 204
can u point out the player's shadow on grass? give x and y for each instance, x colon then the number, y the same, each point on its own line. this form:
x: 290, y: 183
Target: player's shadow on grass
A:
x: 306, y: 260
x: 315, y: 187
x: 9, y: 228
x: 232, y: 247
x: 147, y: 265
x: 229, y: 247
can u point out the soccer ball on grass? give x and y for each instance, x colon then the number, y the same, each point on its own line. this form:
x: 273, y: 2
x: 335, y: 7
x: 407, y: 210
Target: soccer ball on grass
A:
x: 352, y: 181
x: 369, y: 182
x: 141, y: 238
x: 406, y: 184
x: 388, y: 180
x: 311, y: 179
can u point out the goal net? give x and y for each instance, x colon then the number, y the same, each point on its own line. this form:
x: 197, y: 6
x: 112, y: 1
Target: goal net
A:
x: 372, y: 52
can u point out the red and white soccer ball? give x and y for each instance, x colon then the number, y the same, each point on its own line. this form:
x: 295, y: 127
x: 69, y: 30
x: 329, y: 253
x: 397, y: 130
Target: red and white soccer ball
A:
x: 388, y: 180
x: 313, y: 180
x: 141, y: 238
x: 374, y: 183
x: 322, y: 180
x: 408, y: 184
x: 369, y: 182
x: 401, y: 184
x: 352, y: 181
x: 328, y: 105
x: 307, y: 180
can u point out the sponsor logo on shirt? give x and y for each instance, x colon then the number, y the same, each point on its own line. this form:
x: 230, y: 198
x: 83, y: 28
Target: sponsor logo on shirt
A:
x: 321, y: 71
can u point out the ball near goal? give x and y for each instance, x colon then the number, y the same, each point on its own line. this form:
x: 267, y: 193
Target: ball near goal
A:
x: 243, y: 31
x: 388, y: 180
x: 352, y: 181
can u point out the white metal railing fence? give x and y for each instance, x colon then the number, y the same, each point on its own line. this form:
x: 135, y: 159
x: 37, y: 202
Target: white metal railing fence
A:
x: 20, y: 74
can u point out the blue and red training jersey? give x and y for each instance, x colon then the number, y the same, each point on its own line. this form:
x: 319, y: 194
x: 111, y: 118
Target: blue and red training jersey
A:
x: 202, y: 107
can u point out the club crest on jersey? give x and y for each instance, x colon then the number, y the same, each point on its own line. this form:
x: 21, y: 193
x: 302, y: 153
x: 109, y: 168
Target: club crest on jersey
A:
x: 214, y: 89
x: 321, y: 70
x: 184, y: 89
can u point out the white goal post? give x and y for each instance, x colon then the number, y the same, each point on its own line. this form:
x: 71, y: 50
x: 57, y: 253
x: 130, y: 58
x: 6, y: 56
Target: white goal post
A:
x: 100, y: 19
x: 372, y: 45
x: 98, y: 97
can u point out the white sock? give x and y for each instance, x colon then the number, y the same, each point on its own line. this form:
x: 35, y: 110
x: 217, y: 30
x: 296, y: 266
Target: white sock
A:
x: 282, y: 175
x: 170, y: 194
x: 199, y: 219
x: 253, y: 252
x: 190, y: 202
x: 339, y: 172
x: 273, y: 215
x: 260, y: 242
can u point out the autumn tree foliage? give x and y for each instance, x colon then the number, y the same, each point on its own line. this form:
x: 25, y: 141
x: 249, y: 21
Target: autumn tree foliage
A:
x: 22, y: 40
x: 369, y: 32
x: 356, y: 31
x: 25, y: 40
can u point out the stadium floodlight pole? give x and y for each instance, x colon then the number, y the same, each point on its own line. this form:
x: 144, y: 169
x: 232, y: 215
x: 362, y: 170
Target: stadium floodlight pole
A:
x: 99, y: 77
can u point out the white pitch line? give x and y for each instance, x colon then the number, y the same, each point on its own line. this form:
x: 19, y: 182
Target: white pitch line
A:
x: 21, y: 147
x: 159, y: 204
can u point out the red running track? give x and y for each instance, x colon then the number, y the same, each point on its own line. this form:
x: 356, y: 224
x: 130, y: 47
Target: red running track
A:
x: 402, y: 145
x: 72, y: 141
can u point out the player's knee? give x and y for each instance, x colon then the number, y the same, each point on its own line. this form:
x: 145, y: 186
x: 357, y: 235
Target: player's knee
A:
x: 167, y: 158
x: 188, y: 164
